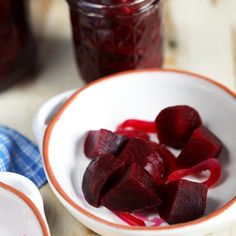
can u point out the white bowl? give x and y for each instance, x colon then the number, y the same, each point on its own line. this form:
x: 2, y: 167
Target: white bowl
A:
x: 135, y: 94
x: 21, y: 207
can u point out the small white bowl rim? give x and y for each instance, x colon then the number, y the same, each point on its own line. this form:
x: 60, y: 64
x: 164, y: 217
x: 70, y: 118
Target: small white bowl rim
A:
x: 29, y: 203
x: 83, y: 211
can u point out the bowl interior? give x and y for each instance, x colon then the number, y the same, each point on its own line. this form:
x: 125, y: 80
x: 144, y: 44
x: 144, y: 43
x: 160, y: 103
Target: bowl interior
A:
x: 16, y: 217
x: 139, y: 95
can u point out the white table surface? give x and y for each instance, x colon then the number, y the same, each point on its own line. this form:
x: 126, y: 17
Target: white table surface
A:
x: 204, y: 35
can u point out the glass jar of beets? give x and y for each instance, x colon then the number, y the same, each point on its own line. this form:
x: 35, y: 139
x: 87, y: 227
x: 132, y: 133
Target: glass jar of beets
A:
x: 116, y: 35
x: 17, y: 45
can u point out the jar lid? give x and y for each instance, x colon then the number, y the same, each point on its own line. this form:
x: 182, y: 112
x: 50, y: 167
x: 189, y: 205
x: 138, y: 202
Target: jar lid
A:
x: 111, y: 7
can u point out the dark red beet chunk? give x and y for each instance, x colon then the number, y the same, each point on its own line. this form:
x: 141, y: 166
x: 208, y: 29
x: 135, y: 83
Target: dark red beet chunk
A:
x: 99, y: 172
x: 175, y: 125
x: 101, y: 142
x: 144, y: 153
x: 170, y: 161
x: 202, y: 145
x: 133, y: 133
x: 135, y: 191
x: 153, y: 164
x: 183, y: 201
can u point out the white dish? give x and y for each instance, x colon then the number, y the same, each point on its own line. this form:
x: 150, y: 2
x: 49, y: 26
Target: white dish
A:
x: 138, y: 94
x: 21, y: 207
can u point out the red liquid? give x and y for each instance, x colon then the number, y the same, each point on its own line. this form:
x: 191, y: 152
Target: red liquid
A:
x: 116, y: 37
x: 17, y: 46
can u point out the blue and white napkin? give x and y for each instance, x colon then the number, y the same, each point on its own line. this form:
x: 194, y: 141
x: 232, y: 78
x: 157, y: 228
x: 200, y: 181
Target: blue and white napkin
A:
x: 18, y: 154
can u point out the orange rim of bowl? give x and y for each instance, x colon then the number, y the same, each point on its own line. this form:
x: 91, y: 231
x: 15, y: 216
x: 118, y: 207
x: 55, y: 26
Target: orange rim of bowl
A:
x: 71, y: 202
x: 32, y: 206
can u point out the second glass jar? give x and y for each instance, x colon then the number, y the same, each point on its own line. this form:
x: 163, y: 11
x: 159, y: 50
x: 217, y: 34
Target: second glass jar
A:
x: 18, y: 50
x: 116, y: 35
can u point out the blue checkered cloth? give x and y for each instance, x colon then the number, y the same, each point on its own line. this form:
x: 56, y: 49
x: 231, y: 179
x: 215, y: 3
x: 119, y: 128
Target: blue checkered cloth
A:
x: 18, y: 154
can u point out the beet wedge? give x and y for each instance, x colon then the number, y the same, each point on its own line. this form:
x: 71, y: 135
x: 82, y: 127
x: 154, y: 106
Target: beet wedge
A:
x: 175, y: 125
x: 144, y: 154
x: 133, y: 134
x: 202, y: 145
x: 169, y: 160
x: 135, y: 191
x: 101, y: 142
x: 183, y: 201
x: 100, y: 172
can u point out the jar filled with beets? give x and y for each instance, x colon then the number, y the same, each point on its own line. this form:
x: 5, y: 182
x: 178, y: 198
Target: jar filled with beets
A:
x: 17, y: 45
x: 116, y: 35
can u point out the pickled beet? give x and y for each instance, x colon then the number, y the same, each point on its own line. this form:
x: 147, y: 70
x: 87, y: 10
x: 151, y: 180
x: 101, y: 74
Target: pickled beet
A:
x: 135, y: 191
x: 133, y: 128
x: 144, y: 153
x: 133, y: 133
x: 175, y: 125
x: 213, y: 165
x: 139, y: 175
x: 202, y: 145
x: 135, y: 150
x: 169, y: 160
x: 141, y: 125
x: 101, y: 142
x: 183, y: 201
x: 129, y: 219
x: 151, y: 220
x: 153, y: 164
x: 100, y: 172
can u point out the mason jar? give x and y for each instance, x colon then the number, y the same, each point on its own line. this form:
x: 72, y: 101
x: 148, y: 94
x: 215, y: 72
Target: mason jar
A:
x: 116, y: 35
x: 18, y: 52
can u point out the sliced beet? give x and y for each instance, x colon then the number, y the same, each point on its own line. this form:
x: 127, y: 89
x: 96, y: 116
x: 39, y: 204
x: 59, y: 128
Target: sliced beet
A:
x: 212, y: 164
x: 140, y: 125
x: 169, y: 160
x: 133, y: 133
x: 183, y: 201
x: 202, y: 145
x: 144, y: 153
x: 153, y: 164
x: 129, y: 219
x: 135, y: 191
x: 98, y: 174
x: 101, y: 142
x: 175, y: 125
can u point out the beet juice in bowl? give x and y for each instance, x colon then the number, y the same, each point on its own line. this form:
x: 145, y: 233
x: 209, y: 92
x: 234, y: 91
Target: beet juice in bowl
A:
x: 116, y: 35
x: 18, y: 51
